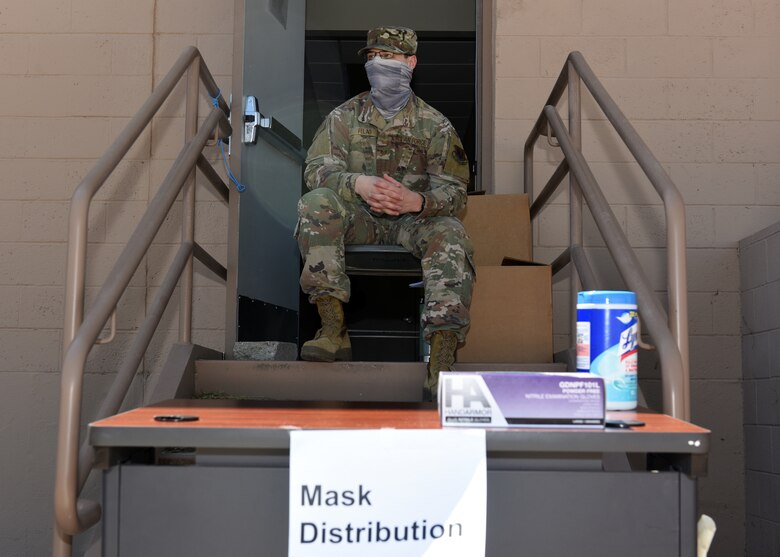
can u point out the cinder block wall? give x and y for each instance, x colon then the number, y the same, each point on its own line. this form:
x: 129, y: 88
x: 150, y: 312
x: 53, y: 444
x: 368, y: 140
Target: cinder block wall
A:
x: 72, y: 73
x: 699, y: 79
x: 760, y: 284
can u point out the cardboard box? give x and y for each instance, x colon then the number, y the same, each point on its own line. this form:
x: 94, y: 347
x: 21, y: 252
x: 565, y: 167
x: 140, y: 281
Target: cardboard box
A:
x: 511, y: 307
x: 499, y: 226
x: 511, y: 316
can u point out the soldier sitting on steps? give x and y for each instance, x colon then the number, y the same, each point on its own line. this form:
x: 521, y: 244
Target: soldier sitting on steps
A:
x: 387, y: 168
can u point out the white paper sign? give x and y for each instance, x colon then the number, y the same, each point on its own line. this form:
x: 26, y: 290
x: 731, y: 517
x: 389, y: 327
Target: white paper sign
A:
x: 387, y: 492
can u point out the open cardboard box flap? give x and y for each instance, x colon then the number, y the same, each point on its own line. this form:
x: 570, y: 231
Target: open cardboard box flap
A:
x: 512, y: 262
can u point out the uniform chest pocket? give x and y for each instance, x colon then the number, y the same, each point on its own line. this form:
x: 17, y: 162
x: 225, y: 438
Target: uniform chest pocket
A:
x: 362, y: 153
x: 411, y: 160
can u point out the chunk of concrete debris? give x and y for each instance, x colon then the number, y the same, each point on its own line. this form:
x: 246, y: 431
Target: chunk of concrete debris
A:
x: 265, y: 350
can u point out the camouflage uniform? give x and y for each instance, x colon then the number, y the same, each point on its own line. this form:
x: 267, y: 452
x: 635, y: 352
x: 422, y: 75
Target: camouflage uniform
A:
x: 420, y: 149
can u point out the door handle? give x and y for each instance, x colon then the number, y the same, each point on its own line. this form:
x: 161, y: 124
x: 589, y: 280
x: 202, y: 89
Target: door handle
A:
x: 273, y: 131
x: 252, y: 118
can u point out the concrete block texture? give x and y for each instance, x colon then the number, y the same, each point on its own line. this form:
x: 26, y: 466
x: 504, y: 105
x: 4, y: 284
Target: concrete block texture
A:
x: 757, y: 457
x: 624, y: 184
x: 539, y: 17
x: 112, y: 96
x: 715, y: 184
x: 9, y: 306
x: 683, y: 57
x: 766, y: 105
x: 15, y: 50
x: 20, y: 16
x: 553, y: 226
x: 767, y: 13
x: 43, y: 307
x: 715, y: 357
x: 744, y: 221
x: 509, y: 177
x: 10, y: 220
x: 70, y: 54
x: 605, y: 55
x: 756, y: 355
x: 769, y: 498
x: 713, y: 270
x: 638, y: 98
x: 725, y: 314
x: 521, y: 98
x: 509, y: 143
x: 774, y: 353
x: 30, y: 350
x: 632, y: 17
x: 168, y: 48
x: 32, y: 264
x: 775, y: 443
x: 41, y: 179
x: 711, y: 99
x: 773, y: 247
x: 47, y: 221
x: 761, y: 357
x: 113, y: 16
x: 749, y: 402
x: 722, y: 18
x: 753, y: 265
x: 746, y: 57
x: 763, y: 537
x: 131, y: 54
x: 746, y: 141
x: 93, y: 133
x: 210, y: 18
x: 217, y: 51
x: 678, y: 140
x: 768, y: 402
x: 518, y: 56
x: 141, y: 149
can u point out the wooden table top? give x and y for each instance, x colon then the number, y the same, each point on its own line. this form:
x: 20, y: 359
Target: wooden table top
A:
x: 280, y: 415
x: 246, y: 423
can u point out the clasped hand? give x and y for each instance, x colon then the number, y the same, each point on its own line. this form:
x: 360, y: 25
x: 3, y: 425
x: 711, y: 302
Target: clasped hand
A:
x: 387, y: 195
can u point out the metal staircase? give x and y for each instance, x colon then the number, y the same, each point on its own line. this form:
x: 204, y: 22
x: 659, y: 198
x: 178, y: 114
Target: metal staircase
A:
x: 80, y: 333
x: 193, y: 371
x: 669, y: 332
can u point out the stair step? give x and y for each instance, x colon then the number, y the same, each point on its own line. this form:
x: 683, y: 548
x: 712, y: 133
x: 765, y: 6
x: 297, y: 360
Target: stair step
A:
x: 338, y: 381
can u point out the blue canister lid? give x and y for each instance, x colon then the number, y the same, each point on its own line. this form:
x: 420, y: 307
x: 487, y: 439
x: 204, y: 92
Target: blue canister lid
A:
x: 606, y: 297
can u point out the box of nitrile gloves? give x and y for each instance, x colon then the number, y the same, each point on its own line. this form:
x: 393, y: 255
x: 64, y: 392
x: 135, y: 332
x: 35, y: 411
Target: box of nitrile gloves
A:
x: 521, y: 399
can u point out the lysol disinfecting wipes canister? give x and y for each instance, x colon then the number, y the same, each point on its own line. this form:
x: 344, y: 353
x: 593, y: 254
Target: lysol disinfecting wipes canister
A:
x: 607, y: 335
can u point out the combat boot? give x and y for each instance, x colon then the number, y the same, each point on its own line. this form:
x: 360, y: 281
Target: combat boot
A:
x: 443, y: 346
x: 332, y: 341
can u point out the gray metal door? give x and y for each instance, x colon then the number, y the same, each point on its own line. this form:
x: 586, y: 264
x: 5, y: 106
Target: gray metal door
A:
x: 271, y: 170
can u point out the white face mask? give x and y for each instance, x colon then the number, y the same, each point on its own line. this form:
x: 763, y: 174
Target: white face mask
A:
x: 390, y: 88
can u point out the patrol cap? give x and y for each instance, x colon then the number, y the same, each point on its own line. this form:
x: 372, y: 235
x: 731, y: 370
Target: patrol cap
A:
x: 400, y: 40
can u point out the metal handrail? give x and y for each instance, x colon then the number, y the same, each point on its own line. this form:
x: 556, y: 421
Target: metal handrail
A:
x: 74, y: 515
x: 670, y: 332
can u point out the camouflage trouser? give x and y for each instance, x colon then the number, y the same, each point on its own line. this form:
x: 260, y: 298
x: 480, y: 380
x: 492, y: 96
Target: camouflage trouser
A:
x: 326, y: 222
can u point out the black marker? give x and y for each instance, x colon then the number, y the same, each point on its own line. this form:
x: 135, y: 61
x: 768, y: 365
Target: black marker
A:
x: 175, y: 418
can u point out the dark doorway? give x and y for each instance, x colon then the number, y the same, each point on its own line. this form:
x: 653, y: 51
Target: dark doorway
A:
x: 298, y: 79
